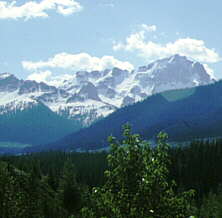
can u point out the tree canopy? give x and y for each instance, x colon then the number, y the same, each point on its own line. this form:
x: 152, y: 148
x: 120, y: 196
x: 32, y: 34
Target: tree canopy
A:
x: 137, y: 183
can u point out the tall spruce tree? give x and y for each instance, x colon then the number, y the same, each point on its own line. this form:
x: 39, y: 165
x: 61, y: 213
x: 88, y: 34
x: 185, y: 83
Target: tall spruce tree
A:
x: 70, y: 192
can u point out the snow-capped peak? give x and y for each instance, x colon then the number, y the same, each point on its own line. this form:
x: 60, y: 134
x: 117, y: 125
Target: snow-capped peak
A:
x: 88, y: 96
x: 5, y: 75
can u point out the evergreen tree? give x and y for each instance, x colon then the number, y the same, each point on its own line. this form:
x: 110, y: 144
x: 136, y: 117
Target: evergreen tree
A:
x: 212, y: 206
x: 70, y: 192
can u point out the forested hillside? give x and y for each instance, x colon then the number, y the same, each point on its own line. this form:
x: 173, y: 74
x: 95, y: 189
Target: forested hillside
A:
x: 183, y: 114
x: 34, y: 126
x: 136, y: 178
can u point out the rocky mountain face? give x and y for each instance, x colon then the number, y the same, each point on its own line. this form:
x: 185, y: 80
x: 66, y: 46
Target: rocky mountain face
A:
x: 184, y: 114
x: 89, y: 96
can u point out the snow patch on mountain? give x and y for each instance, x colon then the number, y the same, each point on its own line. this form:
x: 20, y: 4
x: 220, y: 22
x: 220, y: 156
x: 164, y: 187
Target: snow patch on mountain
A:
x: 89, y: 96
x: 12, y: 102
x: 4, y: 75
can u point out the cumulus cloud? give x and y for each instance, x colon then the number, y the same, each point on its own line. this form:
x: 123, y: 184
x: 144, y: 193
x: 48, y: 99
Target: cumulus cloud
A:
x: 41, y: 76
x: 149, y: 28
x: 76, y: 62
x: 48, y: 77
x: 193, y: 48
x: 70, y: 63
x: 33, y: 9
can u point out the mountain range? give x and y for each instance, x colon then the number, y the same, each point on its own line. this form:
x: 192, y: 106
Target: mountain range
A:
x: 185, y: 115
x: 86, y: 97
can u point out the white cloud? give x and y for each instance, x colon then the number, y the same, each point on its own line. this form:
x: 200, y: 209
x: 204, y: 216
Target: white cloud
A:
x: 70, y: 63
x: 33, y: 9
x: 149, y: 28
x: 107, y: 3
x: 193, y: 48
x: 75, y: 62
x: 41, y: 76
x: 48, y: 77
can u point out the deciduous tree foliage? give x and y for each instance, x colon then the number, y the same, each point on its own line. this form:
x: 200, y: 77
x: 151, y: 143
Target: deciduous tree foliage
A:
x: 137, y: 183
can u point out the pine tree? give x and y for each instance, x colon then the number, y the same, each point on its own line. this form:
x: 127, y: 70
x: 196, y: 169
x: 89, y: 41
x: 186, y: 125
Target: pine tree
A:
x: 69, y: 190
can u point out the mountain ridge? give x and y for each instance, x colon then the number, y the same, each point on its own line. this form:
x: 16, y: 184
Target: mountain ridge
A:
x: 34, y: 126
x: 186, y: 118
x: 90, y: 96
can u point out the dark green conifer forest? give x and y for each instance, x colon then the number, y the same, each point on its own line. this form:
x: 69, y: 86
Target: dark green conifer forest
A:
x: 133, y: 180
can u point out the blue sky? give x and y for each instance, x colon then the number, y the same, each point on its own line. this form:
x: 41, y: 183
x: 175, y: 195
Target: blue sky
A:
x: 45, y: 38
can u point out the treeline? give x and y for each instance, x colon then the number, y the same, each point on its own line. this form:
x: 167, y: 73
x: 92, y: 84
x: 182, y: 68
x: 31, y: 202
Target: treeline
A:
x: 134, y: 180
x: 198, y: 166
x: 89, y: 167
